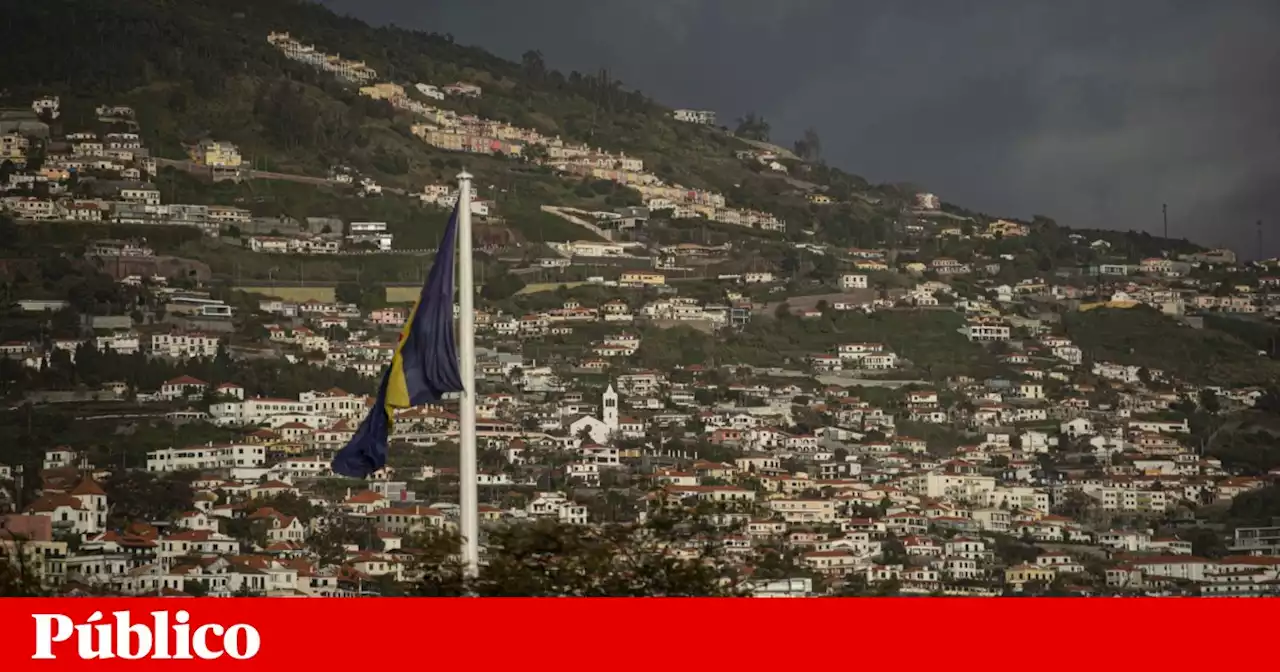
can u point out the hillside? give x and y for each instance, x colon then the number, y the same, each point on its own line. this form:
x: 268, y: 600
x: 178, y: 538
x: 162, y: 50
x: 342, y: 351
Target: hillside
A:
x: 204, y: 69
x: 1143, y: 337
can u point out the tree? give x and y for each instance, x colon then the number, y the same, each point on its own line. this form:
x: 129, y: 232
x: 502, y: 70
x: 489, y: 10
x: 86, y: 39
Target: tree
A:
x: 18, y: 575
x: 892, y: 552
x: 1184, y: 405
x: 291, y: 505
x: 1205, y: 543
x: 1269, y: 402
x: 249, y: 531
x: 1257, y: 507
x: 1013, y: 552
x: 1075, y: 504
x: 552, y: 559
x: 809, y: 147
x: 887, y: 588
x: 499, y: 283
x: 1209, y: 401
x: 348, y: 292
x: 535, y: 68
x: 783, y: 311
x: 141, y: 495
x: 334, y: 534
x: 753, y: 127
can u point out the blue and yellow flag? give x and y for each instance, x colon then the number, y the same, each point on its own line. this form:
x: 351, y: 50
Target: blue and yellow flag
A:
x: 423, y: 369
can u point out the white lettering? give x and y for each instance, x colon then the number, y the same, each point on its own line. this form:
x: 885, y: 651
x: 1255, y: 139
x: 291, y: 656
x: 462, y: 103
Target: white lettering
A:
x: 232, y: 644
x: 45, y: 638
x: 124, y: 637
x: 85, y: 639
x: 182, y: 636
x: 161, y: 619
x: 200, y: 641
x: 167, y: 637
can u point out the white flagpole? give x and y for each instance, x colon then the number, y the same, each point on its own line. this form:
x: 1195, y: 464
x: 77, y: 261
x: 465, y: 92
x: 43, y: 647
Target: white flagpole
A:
x: 468, y: 498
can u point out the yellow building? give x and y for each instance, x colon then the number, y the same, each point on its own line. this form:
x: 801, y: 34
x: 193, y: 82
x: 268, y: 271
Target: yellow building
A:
x: 216, y: 154
x: 383, y: 91
x: 1021, y: 574
x: 443, y: 139
x: 1108, y: 304
x: 13, y: 147
x: 1006, y: 229
x: 642, y: 279
x: 819, y: 199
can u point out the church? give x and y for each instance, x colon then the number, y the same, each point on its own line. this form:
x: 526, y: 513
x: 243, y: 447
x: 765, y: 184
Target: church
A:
x: 603, y: 427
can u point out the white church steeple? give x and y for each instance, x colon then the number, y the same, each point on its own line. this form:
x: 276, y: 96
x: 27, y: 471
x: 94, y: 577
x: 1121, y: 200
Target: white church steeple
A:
x: 609, y: 409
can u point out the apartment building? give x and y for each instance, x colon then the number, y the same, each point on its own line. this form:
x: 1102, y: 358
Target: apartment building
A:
x: 208, y: 456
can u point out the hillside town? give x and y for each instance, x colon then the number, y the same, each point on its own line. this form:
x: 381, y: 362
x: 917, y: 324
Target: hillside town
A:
x: 950, y: 412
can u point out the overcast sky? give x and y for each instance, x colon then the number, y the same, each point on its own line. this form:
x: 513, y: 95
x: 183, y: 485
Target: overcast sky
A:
x: 1090, y: 111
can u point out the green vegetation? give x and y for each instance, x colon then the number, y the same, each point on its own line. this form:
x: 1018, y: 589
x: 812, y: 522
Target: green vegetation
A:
x: 554, y: 559
x: 930, y: 341
x: 26, y: 430
x: 415, y: 226
x: 1143, y: 337
x: 1262, y: 336
x: 258, y: 377
x: 1136, y: 245
x: 18, y: 576
x: 1260, y: 507
x: 233, y: 263
x: 47, y: 264
x: 142, y: 495
x: 1249, y: 442
x: 205, y: 70
x: 32, y: 241
x: 665, y: 349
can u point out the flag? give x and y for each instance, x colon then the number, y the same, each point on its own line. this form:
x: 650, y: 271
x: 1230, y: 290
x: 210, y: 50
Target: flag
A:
x: 423, y: 369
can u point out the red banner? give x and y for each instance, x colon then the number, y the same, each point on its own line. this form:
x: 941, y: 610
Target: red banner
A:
x: 570, y: 634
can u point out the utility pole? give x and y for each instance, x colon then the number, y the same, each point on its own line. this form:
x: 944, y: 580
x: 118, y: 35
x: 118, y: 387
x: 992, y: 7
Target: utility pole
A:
x: 19, y: 484
x: 1261, y: 255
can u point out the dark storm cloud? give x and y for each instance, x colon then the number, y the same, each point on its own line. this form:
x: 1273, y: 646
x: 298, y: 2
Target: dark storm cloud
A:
x: 1094, y: 112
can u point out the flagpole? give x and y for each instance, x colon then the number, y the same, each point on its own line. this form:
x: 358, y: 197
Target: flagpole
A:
x: 468, y: 498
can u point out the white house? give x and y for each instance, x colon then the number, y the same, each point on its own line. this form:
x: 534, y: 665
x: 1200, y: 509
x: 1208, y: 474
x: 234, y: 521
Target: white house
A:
x: 183, y: 387
x: 853, y: 281
x: 208, y: 456
x: 987, y: 330
x: 65, y: 512
x: 94, y: 501
x: 706, y: 117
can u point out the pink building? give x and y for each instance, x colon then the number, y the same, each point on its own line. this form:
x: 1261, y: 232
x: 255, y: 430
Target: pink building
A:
x: 389, y: 316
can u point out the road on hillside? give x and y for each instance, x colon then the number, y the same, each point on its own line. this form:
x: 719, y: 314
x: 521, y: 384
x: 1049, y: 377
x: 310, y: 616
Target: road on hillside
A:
x: 195, y: 168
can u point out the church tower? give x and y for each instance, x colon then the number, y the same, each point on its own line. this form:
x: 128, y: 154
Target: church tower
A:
x: 609, y: 409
